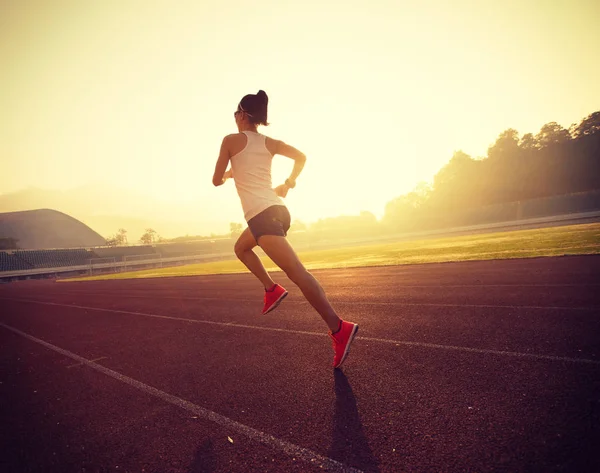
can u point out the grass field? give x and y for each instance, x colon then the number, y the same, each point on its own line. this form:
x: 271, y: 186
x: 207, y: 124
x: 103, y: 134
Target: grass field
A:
x: 556, y: 241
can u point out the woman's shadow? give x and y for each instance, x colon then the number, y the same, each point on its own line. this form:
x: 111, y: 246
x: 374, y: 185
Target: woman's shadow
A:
x: 349, y: 444
x: 205, y: 460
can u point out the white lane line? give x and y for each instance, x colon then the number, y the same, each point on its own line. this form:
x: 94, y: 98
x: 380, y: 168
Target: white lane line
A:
x: 303, y: 332
x: 443, y: 286
x: 477, y: 306
x: 81, y: 364
x: 335, y: 301
x: 288, y: 448
x: 401, y: 286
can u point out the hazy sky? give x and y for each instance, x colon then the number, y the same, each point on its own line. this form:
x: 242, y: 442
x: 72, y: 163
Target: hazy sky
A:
x: 378, y: 94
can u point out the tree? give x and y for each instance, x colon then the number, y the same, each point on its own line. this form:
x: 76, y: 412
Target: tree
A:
x: 122, y: 236
x: 235, y: 229
x: 118, y: 239
x: 506, y: 146
x: 148, y: 237
x: 552, y: 133
x: 528, y: 142
x: 450, y: 172
x: 405, y: 211
x: 111, y: 241
x: 453, y: 184
x: 588, y: 126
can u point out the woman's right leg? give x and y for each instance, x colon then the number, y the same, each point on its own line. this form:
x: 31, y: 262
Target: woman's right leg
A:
x: 243, y: 250
x: 283, y: 255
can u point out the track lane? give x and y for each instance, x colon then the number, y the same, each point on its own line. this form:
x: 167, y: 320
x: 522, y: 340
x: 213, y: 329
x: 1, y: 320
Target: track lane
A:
x: 408, y: 407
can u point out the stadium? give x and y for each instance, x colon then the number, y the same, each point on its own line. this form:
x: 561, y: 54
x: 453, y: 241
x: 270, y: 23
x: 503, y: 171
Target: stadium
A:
x: 50, y: 244
x: 426, y: 171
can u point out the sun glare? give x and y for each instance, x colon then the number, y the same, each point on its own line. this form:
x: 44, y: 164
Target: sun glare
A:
x: 379, y: 95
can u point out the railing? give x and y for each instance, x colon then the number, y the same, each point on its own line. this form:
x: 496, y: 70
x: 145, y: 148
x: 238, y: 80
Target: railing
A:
x: 110, y: 265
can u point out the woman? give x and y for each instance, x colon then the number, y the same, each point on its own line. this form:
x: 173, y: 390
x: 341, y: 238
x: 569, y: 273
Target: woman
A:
x: 251, y: 154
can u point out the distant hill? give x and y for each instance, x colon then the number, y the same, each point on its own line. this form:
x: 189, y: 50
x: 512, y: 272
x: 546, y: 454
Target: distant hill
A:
x: 45, y: 228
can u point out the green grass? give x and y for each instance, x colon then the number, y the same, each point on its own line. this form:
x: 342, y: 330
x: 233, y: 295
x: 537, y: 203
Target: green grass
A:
x: 556, y: 241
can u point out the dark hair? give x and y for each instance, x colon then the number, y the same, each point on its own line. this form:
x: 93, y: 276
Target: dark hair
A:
x: 256, y: 107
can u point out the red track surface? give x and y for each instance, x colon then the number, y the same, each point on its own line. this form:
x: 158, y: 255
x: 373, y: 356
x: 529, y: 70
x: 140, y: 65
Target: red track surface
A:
x: 479, y: 366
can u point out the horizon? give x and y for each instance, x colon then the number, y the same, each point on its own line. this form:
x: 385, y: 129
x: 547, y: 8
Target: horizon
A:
x: 147, y: 94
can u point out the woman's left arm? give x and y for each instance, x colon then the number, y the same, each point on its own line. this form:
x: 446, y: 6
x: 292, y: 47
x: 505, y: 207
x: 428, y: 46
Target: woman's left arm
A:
x: 219, y: 176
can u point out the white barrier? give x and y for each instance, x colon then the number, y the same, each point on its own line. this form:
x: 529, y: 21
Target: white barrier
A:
x: 119, y: 265
x: 95, y: 262
x: 147, y: 258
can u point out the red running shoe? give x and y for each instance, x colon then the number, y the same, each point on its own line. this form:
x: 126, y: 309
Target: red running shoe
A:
x: 273, y: 298
x: 342, y: 340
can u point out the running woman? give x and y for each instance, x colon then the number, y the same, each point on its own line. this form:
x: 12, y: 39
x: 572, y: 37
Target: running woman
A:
x: 251, y: 155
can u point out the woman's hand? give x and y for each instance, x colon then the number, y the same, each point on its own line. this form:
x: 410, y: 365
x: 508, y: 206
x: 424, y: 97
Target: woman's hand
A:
x: 281, y: 190
x: 228, y: 174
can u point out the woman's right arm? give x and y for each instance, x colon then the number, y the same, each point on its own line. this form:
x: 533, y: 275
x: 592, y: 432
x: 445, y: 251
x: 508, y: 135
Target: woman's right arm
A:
x: 290, y: 152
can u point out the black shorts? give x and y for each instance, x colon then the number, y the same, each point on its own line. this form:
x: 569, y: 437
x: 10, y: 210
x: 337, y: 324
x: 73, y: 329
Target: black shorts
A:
x: 274, y: 220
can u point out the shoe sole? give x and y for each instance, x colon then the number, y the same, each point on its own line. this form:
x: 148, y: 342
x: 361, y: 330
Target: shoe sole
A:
x: 276, y: 303
x: 350, y: 340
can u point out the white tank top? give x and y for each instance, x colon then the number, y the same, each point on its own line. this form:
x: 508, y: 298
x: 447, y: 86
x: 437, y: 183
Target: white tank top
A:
x: 252, y: 176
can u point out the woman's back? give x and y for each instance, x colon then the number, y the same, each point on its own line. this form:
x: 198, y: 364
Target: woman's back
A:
x: 252, y: 173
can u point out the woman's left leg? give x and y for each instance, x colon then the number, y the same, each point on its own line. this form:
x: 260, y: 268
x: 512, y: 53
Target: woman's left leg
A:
x: 274, y: 293
x: 243, y: 250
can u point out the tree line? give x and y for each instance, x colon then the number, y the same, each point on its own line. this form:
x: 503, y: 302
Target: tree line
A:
x: 554, y: 162
x: 149, y: 237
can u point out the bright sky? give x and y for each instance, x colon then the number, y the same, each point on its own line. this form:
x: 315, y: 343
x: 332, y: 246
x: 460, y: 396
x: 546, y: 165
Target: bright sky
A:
x: 377, y: 93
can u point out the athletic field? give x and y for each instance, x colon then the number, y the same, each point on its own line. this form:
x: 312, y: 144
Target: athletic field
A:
x: 486, y: 366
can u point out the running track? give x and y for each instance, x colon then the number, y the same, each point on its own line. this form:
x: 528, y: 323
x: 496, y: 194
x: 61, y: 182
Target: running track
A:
x: 475, y: 366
